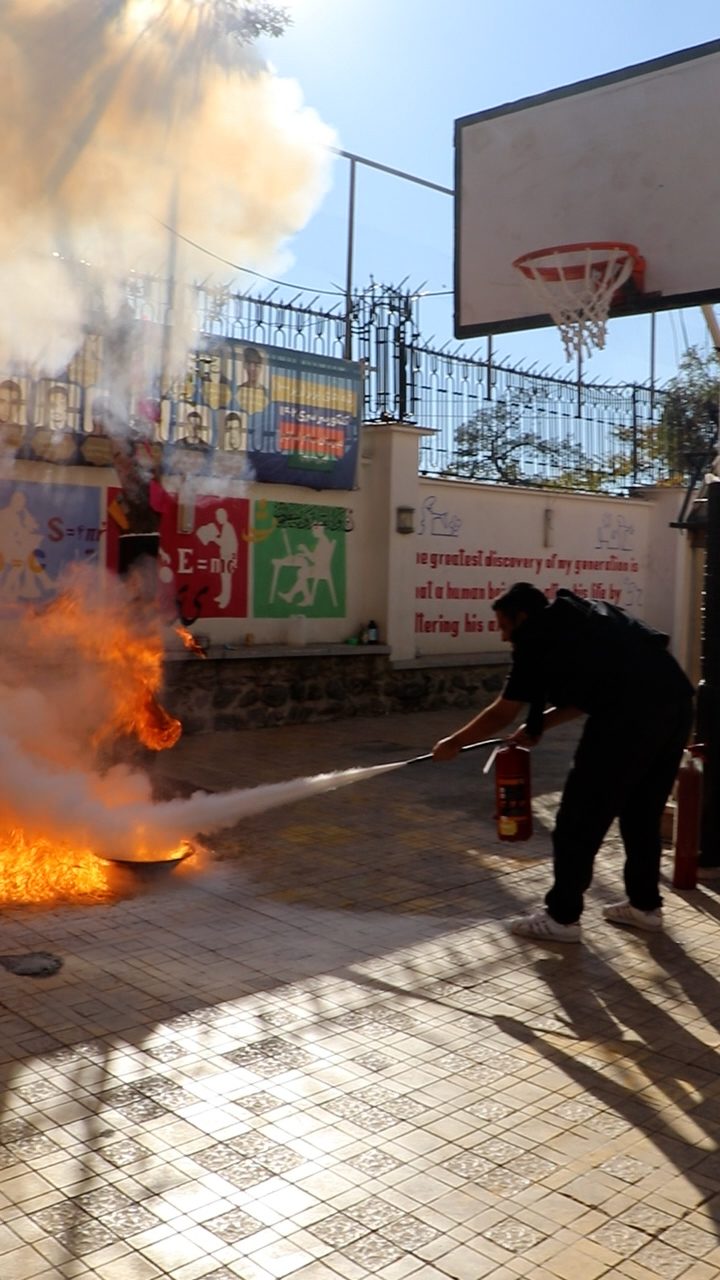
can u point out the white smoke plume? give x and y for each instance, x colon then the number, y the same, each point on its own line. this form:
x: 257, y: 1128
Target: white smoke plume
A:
x: 115, y: 816
x: 120, y: 117
x: 136, y: 134
x: 68, y: 674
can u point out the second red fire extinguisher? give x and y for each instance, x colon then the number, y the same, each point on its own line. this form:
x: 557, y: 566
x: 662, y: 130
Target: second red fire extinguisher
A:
x: 512, y: 793
x: 688, y: 805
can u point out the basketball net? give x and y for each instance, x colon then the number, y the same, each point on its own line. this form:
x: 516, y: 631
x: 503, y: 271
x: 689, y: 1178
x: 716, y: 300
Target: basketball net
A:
x: 576, y: 284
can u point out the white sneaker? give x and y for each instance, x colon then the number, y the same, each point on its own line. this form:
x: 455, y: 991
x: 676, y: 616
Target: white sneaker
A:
x: 543, y: 928
x: 626, y: 913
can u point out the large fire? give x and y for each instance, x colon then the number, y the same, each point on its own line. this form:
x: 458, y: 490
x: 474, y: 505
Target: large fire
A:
x: 42, y: 870
x: 105, y: 101
x: 97, y: 652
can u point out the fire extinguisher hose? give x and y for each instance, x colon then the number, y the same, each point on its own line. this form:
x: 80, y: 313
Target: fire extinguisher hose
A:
x: 473, y: 746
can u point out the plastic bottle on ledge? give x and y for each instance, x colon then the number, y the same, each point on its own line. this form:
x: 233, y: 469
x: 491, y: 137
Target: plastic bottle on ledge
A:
x: 373, y: 635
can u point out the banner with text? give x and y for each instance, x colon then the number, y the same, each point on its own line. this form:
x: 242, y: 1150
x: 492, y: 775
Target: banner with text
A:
x: 468, y: 554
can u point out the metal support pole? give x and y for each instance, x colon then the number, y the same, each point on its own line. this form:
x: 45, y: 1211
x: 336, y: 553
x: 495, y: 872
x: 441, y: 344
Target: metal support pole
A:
x: 355, y: 160
x: 713, y: 326
x: 397, y: 173
x: 401, y: 355
x: 653, y: 319
x: 348, y: 347
x: 635, y: 435
x: 708, y: 701
x: 708, y: 714
x: 171, y: 296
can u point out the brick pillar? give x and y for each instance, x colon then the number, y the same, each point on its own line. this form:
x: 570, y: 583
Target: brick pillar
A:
x: 390, y: 453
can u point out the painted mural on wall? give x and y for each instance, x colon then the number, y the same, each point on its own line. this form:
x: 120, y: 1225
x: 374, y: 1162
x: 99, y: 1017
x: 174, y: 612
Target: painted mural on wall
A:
x: 206, y: 545
x: 294, y: 414
x: 247, y: 410
x: 44, y: 528
x: 203, y: 553
x: 460, y: 575
x: 67, y: 420
x: 299, y: 565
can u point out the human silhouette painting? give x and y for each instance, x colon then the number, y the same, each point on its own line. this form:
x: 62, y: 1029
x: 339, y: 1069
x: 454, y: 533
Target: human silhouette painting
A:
x: 202, y: 564
x: 313, y: 565
x: 221, y: 532
x: 301, y: 570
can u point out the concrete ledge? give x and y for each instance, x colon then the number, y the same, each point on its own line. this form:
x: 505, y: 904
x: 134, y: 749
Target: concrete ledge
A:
x: 231, y: 652
x: 451, y: 660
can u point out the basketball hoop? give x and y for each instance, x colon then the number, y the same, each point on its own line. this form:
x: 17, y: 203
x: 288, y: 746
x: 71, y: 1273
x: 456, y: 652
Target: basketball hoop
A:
x: 577, y: 285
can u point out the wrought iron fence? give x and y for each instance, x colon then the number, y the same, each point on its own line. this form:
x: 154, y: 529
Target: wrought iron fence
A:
x: 491, y: 422
x: 508, y: 425
x: 497, y: 423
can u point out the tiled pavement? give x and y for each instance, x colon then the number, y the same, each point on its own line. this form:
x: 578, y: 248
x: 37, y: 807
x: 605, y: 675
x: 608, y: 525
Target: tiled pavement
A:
x: 324, y: 1057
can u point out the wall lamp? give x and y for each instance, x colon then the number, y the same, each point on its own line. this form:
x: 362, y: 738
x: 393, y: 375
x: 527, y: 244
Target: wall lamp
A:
x: 405, y: 519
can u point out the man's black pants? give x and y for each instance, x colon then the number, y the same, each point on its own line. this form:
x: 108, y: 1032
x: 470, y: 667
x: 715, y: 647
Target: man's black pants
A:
x: 624, y: 768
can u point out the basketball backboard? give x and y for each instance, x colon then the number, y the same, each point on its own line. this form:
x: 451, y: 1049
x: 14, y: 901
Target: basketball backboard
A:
x: 632, y: 156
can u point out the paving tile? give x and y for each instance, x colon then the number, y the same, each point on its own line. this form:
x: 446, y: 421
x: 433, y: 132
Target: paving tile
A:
x: 324, y: 1057
x: 23, y: 1264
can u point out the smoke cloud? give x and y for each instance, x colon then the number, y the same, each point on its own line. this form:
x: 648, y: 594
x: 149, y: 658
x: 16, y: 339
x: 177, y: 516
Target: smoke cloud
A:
x: 136, y: 134
x: 119, y: 118
x: 115, y: 816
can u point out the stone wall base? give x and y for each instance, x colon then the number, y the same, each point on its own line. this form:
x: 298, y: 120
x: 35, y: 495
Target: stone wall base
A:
x: 261, y: 692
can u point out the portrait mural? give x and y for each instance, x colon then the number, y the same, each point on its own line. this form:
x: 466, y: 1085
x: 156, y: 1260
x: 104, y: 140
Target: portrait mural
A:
x: 290, y: 417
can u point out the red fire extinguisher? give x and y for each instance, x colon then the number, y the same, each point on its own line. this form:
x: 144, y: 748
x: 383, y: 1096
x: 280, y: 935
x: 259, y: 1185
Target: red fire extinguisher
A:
x: 512, y: 792
x: 688, y: 808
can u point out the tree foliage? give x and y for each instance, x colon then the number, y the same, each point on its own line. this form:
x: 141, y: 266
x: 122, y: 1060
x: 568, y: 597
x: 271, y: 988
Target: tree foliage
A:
x: 501, y: 444
x: 247, y: 20
x: 497, y: 444
x: 688, y: 429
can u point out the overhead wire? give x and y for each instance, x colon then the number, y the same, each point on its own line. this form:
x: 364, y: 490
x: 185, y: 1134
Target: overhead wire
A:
x: 286, y: 284
x: 334, y: 293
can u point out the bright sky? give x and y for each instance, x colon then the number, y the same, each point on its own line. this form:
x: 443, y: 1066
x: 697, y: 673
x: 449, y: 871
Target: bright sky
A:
x: 391, y: 76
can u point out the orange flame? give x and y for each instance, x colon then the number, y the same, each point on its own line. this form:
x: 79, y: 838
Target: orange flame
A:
x: 190, y: 642
x: 131, y: 659
x: 41, y: 870
x: 36, y: 871
x: 94, y: 630
x: 152, y: 724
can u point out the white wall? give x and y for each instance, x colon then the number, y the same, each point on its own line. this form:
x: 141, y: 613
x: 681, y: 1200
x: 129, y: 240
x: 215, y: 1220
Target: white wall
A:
x: 431, y: 592
x: 473, y: 542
